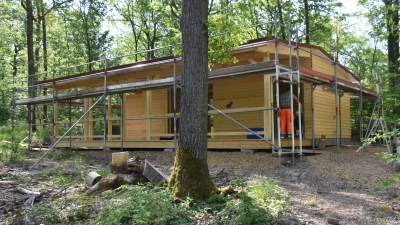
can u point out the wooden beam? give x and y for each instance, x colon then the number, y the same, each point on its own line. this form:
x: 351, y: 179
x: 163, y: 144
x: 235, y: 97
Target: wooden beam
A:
x: 212, y: 144
x: 80, y: 104
x: 55, y: 116
x: 109, y: 115
x: 267, y: 115
x: 225, y: 73
x: 148, y: 113
x: 123, y: 111
x: 252, y: 61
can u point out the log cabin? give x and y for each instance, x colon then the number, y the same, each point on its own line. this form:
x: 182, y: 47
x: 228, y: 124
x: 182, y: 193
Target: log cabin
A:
x: 140, y: 103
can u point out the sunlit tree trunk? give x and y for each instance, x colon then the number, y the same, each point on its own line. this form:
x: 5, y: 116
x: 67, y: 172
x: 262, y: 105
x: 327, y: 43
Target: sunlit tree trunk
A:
x: 190, y: 176
x: 31, y: 60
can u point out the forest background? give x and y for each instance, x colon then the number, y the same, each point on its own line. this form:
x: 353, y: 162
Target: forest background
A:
x: 41, y: 37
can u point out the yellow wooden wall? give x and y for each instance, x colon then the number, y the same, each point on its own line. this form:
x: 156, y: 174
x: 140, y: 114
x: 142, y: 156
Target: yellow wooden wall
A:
x: 307, y: 111
x: 135, y: 107
x: 159, y: 106
x: 324, y: 112
x: 346, y: 117
x: 324, y: 66
x: 243, y: 92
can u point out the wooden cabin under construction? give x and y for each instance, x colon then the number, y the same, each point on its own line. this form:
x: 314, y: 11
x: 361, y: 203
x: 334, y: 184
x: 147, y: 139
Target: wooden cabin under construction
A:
x: 139, y: 110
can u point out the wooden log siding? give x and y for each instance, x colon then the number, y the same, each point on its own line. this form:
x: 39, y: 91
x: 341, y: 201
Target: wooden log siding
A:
x: 325, y: 124
x: 307, y: 110
x: 243, y: 92
x: 159, y: 107
x: 324, y: 66
x: 135, y: 107
x: 346, y: 116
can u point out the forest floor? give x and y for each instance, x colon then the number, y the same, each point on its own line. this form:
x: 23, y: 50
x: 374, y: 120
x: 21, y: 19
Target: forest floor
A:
x: 343, y: 186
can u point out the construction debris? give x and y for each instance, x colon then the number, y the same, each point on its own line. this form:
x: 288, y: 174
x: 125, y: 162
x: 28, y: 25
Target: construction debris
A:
x: 125, y: 170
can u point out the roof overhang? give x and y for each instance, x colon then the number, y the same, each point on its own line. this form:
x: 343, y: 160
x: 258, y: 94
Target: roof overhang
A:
x: 319, y: 78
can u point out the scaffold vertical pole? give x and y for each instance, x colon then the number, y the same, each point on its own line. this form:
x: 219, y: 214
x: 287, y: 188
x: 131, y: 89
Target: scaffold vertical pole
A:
x: 53, y: 101
x: 291, y: 89
x: 278, y: 110
x: 121, y: 124
x: 299, y: 102
x: 336, y: 101
x: 174, y: 102
x: 70, y: 124
x: 105, y: 109
x: 360, y: 101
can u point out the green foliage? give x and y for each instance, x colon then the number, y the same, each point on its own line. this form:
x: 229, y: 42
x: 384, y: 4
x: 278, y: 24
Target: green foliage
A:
x: 104, y: 172
x: 311, y: 201
x: 60, y: 177
x: 23, y: 179
x: 66, y: 155
x: 143, y: 205
x: 12, y: 152
x: 269, y: 195
x: 390, y: 157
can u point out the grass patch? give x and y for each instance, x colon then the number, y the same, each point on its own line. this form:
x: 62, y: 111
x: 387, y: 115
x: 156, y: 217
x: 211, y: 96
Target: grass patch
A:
x: 60, y: 177
x: 65, y: 155
x: 257, y: 202
x: 311, y: 201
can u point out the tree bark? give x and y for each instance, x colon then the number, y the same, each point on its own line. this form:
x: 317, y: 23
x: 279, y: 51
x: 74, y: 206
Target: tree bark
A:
x: 31, y: 61
x: 392, y: 23
x: 281, y: 20
x: 45, y: 68
x: 191, y: 176
x: 307, y: 21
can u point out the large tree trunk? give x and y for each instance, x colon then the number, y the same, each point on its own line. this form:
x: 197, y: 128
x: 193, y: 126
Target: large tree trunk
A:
x: 191, y: 176
x: 392, y: 23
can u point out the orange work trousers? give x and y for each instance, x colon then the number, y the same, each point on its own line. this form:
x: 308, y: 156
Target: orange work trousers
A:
x: 286, y: 121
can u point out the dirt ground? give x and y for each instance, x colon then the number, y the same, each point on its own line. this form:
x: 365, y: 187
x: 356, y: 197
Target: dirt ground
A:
x: 339, y: 186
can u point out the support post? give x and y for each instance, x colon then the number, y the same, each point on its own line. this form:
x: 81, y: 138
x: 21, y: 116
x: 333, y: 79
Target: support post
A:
x: 105, y: 109
x: 174, y: 103
x: 278, y: 110
x: 300, y: 106
x: 70, y: 124
x: 291, y: 89
x: 360, y: 102
x: 109, y: 107
x: 148, y: 112
x: 336, y: 103
x: 312, y: 116
x: 267, y: 101
x: 122, y: 122
x: 53, y: 100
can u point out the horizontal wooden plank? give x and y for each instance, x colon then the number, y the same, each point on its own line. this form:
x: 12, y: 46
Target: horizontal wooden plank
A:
x: 212, y: 144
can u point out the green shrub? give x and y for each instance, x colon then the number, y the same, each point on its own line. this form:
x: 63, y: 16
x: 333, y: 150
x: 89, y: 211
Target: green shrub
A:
x: 12, y: 152
x: 137, y: 204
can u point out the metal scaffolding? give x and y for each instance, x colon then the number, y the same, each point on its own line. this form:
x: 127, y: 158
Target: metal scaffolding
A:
x: 291, y: 72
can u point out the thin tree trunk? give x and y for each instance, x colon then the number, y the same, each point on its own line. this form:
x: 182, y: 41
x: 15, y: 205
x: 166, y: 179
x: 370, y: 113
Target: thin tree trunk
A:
x: 281, y: 20
x: 191, y: 175
x: 31, y: 61
x: 44, y: 60
x: 307, y: 21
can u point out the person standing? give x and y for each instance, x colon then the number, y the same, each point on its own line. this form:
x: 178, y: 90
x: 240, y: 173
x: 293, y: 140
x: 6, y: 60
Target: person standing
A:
x: 286, y: 113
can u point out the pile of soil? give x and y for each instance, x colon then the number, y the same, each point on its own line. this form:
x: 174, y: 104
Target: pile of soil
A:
x: 340, y: 186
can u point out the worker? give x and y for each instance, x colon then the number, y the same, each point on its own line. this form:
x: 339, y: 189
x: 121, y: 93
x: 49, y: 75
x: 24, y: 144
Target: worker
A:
x: 286, y: 113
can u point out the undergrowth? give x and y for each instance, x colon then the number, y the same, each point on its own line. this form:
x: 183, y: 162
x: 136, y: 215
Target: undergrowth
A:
x: 255, y: 202
x: 12, y: 151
